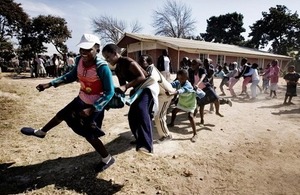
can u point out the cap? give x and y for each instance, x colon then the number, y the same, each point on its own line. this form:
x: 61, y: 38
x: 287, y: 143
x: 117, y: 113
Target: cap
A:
x: 88, y: 41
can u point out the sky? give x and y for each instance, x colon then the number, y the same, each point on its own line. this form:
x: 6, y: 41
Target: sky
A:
x: 79, y: 13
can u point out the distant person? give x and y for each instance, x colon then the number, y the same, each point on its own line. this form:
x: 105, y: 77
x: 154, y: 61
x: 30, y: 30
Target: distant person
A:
x: 266, y: 78
x: 84, y: 114
x: 291, y: 79
x: 253, y: 72
x: 233, y: 79
x: 210, y: 72
x: 274, y: 78
x: 224, y: 79
x: 245, y: 69
x: 164, y: 64
x: 186, y: 100
x: 131, y: 75
x: 54, y: 65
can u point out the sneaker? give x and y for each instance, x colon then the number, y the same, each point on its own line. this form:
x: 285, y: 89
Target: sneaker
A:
x: 102, y: 166
x: 34, y: 132
x: 164, y: 138
x: 144, y: 151
x: 229, y: 102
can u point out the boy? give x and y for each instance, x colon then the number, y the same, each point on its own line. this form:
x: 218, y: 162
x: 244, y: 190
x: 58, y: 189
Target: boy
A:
x: 186, y: 100
x: 84, y: 115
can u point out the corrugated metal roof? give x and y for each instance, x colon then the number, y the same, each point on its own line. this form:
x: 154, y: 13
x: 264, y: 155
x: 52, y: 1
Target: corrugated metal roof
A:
x: 195, y: 46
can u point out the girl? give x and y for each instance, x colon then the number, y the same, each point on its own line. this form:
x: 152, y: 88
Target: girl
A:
x: 131, y: 74
x: 84, y: 115
x: 186, y: 99
x: 291, y: 79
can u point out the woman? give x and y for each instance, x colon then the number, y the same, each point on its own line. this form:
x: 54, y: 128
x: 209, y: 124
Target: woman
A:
x: 84, y: 115
x: 131, y: 74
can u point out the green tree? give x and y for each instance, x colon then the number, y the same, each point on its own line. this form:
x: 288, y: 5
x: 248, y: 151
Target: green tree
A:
x: 111, y: 29
x: 12, y: 20
x: 42, y: 30
x: 51, y: 29
x: 280, y: 28
x: 225, y: 29
x: 174, y: 20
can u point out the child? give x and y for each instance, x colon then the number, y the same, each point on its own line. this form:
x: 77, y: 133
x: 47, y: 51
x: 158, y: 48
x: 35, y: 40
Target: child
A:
x: 266, y: 79
x: 84, y: 115
x: 197, y: 77
x: 291, y: 79
x: 186, y: 99
x: 274, y: 78
x: 254, y: 79
x: 221, y: 74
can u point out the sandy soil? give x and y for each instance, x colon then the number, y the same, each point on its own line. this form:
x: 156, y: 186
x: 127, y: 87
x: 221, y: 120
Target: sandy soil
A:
x: 254, y: 149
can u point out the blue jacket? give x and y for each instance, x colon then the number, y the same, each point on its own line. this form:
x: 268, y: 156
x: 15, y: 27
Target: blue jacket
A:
x: 104, y: 74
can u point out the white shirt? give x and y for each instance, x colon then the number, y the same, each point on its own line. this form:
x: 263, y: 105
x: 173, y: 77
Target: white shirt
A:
x: 167, y: 63
x: 253, y: 73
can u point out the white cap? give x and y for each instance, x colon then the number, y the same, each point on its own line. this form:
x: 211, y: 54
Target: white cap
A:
x: 88, y: 41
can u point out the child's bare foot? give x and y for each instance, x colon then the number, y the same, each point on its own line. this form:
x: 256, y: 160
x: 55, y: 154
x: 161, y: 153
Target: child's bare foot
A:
x: 201, y: 123
x: 219, y: 114
x: 194, y: 138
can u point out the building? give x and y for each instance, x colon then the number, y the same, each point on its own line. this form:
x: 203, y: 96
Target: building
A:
x: 178, y: 48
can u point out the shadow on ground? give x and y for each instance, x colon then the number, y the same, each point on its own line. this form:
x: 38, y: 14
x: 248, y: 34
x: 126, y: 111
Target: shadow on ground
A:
x: 71, y: 173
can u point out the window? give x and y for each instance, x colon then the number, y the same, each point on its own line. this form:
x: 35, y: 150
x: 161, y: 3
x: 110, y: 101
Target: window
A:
x: 202, y: 56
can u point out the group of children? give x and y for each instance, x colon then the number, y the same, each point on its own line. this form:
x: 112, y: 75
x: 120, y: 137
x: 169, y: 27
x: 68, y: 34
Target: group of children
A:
x: 153, y: 94
x: 250, y: 74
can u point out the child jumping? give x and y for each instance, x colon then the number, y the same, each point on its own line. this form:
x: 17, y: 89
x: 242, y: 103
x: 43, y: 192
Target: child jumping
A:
x: 186, y: 100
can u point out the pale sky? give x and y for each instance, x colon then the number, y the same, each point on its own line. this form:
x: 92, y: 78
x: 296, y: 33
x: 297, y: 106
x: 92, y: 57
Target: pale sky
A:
x: 79, y: 13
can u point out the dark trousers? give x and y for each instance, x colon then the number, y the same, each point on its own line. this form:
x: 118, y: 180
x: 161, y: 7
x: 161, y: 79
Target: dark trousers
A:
x: 140, y: 122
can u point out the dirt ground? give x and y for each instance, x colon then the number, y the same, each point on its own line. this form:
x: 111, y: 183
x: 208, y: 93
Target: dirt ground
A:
x: 253, y: 149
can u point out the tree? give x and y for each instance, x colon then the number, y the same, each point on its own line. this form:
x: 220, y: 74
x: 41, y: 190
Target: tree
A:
x: 12, y: 18
x: 280, y: 28
x: 225, y: 29
x: 111, y: 29
x: 174, y: 20
x: 45, y: 29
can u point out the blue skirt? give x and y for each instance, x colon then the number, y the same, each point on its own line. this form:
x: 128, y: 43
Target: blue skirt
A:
x: 88, y: 127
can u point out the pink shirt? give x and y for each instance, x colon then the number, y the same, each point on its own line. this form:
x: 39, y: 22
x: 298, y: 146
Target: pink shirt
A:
x: 91, y: 88
x: 274, y: 74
